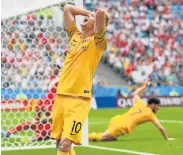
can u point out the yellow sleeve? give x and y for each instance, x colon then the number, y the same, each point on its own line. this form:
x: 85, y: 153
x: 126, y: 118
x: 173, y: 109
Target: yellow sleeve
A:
x: 139, y: 102
x: 100, y: 40
x: 72, y: 29
x: 153, y: 118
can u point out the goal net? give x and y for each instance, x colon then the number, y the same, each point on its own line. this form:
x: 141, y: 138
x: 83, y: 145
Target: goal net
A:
x: 33, y: 48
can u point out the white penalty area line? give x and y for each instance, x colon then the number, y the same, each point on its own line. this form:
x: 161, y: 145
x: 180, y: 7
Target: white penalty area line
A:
x: 164, y: 121
x: 118, y: 150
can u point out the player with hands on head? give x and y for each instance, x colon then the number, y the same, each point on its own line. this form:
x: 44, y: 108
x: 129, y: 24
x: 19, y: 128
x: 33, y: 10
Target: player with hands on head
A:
x: 74, y: 90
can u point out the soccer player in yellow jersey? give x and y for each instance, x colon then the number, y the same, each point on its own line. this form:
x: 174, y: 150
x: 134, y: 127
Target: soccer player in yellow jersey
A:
x: 140, y: 113
x: 72, y: 101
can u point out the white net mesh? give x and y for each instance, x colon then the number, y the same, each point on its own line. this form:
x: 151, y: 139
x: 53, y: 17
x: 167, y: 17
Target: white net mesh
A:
x: 32, y: 55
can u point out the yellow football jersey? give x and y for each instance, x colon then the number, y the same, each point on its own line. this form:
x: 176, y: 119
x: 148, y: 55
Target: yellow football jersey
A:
x: 81, y: 62
x: 138, y: 114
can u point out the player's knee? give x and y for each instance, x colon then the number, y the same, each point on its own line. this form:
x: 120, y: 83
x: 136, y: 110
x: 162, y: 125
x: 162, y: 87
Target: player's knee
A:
x: 64, y: 145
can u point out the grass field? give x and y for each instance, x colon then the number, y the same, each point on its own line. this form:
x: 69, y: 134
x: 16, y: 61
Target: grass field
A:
x: 145, y: 138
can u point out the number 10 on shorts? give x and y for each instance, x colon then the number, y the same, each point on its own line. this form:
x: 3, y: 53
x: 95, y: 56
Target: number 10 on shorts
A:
x: 76, y: 127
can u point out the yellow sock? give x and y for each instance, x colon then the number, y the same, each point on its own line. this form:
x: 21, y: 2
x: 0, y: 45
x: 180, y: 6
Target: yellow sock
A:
x: 62, y: 153
x: 72, y: 152
x: 95, y: 136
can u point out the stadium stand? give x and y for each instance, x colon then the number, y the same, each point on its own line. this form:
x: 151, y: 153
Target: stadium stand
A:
x: 141, y: 32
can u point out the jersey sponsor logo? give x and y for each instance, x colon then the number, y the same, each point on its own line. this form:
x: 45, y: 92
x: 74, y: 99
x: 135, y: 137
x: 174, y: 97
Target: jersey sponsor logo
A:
x: 75, y: 43
x: 85, y: 41
x: 84, y: 44
x: 71, y: 47
x: 84, y: 48
x: 86, y: 91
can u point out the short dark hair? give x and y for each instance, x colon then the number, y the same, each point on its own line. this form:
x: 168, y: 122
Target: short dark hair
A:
x: 153, y: 101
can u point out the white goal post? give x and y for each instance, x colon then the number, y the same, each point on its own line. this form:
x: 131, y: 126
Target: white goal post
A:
x: 33, y: 47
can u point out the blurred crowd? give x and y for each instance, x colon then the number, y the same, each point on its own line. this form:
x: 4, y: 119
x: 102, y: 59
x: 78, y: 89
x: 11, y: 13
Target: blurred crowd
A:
x: 141, y: 32
x: 32, y: 51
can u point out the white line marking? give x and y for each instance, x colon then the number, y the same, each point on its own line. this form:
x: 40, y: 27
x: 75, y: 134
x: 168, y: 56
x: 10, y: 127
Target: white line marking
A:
x: 89, y: 146
x: 164, y: 121
x: 171, y: 121
x: 118, y: 150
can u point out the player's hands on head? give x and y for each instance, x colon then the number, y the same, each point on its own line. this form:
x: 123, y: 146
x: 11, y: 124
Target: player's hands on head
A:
x: 92, y: 14
x: 106, y: 15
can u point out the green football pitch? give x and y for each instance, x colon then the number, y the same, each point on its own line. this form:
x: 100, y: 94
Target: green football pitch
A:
x: 145, y: 139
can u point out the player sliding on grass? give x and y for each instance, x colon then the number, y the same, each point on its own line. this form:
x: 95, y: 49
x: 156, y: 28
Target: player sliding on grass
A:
x: 140, y: 113
x: 74, y: 91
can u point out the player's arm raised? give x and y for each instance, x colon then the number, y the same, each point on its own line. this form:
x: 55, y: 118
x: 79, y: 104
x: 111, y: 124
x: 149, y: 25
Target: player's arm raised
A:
x: 101, y: 21
x: 161, y: 129
x: 136, y: 94
x: 70, y: 11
